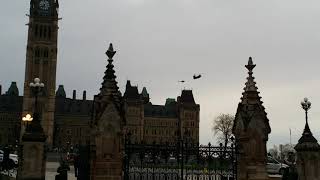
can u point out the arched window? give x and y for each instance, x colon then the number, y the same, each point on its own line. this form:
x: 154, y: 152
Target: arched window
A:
x: 36, y: 30
x: 49, y: 32
x: 37, y: 52
x: 40, y: 31
x: 46, y: 52
x: 45, y: 31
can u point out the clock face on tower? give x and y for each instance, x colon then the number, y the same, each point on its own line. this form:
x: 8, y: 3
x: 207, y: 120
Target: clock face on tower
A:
x: 44, y: 5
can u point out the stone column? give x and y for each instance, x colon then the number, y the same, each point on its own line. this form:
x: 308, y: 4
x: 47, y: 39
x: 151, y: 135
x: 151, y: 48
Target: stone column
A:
x: 32, y: 165
x: 106, y: 143
x: 308, y: 151
x: 251, y: 129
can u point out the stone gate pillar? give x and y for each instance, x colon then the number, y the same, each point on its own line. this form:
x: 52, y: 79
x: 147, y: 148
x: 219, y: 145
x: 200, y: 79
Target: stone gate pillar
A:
x: 106, y: 141
x: 251, y: 129
x: 32, y: 163
x: 308, y: 151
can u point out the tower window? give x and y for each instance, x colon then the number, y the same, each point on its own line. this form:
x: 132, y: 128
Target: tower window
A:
x: 36, y: 30
x: 49, y: 32
x: 46, y: 53
x: 45, y: 31
x: 40, y: 31
x: 37, y: 52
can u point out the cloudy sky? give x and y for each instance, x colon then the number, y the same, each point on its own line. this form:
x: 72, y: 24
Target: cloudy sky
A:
x: 162, y: 41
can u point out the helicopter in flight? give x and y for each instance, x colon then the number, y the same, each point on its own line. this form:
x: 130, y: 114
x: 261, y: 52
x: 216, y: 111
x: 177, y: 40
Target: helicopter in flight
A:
x: 198, y: 76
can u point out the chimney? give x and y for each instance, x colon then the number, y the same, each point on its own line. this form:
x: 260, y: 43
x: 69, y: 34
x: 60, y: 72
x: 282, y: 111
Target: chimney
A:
x: 0, y: 90
x: 74, y: 95
x: 84, y: 96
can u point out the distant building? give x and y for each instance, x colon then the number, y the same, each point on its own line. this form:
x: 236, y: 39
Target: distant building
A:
x: 145, y: 121
x: 161, y: 123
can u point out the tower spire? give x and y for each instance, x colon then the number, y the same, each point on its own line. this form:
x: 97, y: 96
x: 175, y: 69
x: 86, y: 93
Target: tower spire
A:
x: 250, y: 100
x: 109, y: 84
x: 251, y: 93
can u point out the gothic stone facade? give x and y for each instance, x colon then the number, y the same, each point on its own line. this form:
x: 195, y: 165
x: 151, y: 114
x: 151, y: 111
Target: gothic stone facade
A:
x: 145, y: 121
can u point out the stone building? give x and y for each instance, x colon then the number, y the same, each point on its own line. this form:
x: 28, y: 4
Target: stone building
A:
x: 146, y: 122
x: 161, y: 123
x: 71, y: 119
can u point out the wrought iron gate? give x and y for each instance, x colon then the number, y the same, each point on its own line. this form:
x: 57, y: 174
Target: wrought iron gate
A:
x: 180, y: 161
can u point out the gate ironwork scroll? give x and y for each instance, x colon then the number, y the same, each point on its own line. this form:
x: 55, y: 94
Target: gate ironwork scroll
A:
x: 180, y: 161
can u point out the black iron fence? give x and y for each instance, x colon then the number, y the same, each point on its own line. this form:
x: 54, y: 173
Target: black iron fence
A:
x: 180, y: 161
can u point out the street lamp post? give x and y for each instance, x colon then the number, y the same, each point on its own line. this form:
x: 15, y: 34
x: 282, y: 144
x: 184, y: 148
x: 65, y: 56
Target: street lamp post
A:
x: 36, y: 89
x: 306, y: 135
x: 306, y: 105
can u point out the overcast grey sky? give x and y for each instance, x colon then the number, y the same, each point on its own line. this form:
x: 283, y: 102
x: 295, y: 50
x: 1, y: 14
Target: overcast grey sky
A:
x: 162, y: 41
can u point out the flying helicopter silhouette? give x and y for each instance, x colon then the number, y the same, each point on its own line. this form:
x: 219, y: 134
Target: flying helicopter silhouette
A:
x: 197, y: 76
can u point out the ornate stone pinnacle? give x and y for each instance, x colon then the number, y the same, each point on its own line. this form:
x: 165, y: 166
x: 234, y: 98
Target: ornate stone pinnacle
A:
x: 250, y: 65
x: 110, y: 52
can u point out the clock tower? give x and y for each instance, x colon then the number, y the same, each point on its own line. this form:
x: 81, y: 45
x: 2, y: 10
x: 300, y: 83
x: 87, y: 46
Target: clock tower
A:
x: 41, y: 60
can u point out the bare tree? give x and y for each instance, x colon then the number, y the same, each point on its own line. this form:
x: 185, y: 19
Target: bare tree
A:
x: 222, y: 128
x: 274, y: 152
x: 282, y: 152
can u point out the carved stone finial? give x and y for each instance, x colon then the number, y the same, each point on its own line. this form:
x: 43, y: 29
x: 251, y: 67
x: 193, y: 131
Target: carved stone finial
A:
x: 110, y: 52
x: 250, y: 65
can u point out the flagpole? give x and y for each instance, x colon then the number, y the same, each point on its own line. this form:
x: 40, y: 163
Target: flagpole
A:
x: 290, y: 136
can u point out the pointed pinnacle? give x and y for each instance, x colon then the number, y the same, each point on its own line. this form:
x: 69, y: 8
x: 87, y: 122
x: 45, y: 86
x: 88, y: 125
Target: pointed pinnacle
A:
x: 250, y: 62
x: 110, y: 52
x: 250, y: 65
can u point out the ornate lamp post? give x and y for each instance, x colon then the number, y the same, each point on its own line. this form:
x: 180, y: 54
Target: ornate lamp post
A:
x: 36, y: 89
x: 306, y: 105
x: 306, y: 135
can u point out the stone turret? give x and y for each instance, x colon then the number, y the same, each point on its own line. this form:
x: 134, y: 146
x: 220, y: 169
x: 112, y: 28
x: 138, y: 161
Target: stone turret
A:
x: 13, y: 90
x: 61, y: 92
x: 308, y: 151
x: 107, y: 127
x: 131, y: 92
x: 145, y: 95
x: 251, y: 129
x: 186, y: 108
